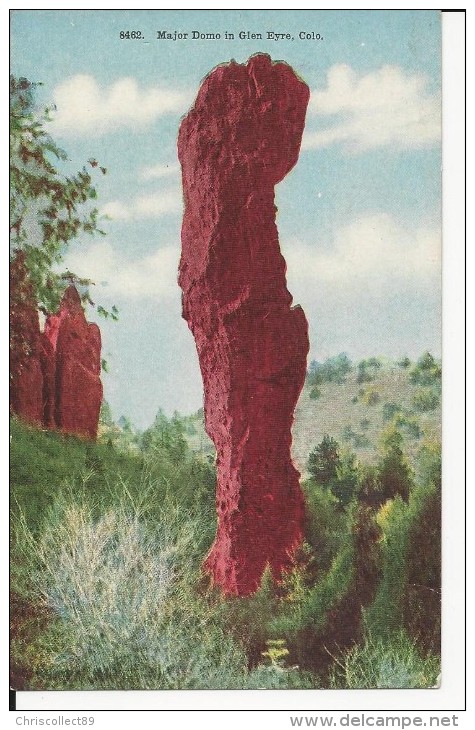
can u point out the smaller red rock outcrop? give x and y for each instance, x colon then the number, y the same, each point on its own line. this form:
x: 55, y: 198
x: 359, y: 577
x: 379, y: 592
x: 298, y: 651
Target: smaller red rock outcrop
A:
x: 54, y: 375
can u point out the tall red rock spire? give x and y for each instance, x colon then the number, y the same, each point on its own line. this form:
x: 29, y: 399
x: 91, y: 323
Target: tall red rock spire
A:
x: 241, y: 138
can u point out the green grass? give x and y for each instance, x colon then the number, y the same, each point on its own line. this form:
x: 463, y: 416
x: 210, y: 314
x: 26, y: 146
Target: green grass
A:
x: 42, y: 463
x: 391, y: 664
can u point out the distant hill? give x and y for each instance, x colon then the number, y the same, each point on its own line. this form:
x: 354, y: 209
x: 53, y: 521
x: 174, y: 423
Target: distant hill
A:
x: 358, y: 421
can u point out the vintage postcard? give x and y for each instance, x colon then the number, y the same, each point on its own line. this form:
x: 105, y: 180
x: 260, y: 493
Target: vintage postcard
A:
x: 225, y: 349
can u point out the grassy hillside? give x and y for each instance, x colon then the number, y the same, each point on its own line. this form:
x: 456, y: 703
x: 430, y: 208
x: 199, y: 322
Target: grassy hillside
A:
x: 45, y: 464
x: 357, y: 421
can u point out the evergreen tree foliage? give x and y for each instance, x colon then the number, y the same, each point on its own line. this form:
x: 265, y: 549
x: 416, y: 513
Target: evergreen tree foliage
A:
x: 345, y: 485
x: 333, y: 370
x: 395, y: 474
x: 324, y: 460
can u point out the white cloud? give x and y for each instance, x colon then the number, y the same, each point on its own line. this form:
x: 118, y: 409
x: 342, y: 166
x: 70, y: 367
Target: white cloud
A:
x: 116, y: 210
x: 386, y: 107
x: 84, y: 107
x: 158, y: 171
x: 158, y: 204
x: 154, y: 205
x: 370, y: 253
x: 152, y: 277
x: 376, y: 290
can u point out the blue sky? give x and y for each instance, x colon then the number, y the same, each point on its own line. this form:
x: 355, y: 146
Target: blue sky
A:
x: 358, y: 218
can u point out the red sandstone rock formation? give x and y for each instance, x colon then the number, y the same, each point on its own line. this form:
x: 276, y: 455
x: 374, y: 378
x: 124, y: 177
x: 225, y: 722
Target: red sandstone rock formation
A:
x: 77, y: 347
x: 241, y: 138
x: 54, y: 374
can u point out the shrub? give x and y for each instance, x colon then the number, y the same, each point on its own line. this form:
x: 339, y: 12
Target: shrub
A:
x: 364, y: 376
x: 395, y: 474
x: 315, y: 393
x: 105, y: 414
x: 124, y: 594
x: 367, y: 370
x: 402, y: 418
x: 410, y: 425
x: 391, y: 477
x: 361, y: 441
x: 250, y: 621
x: 422, y: 595
x: 404, y: 363
x: 249, y: 618
x: 384, y: 616
x: 426, y: 371
x: 325, y: 525
x: 303, y: 623
x: 327, y: 616
x: 390, y: 410
x: 347, y: 433
x: 346, y: 479
x: 334, y: 469
x: 369, y: 396
x: 430, y: 464
x: 424, y: 399
x: 168, y: 435
x: 371, y: 490
x: 410, y: 560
